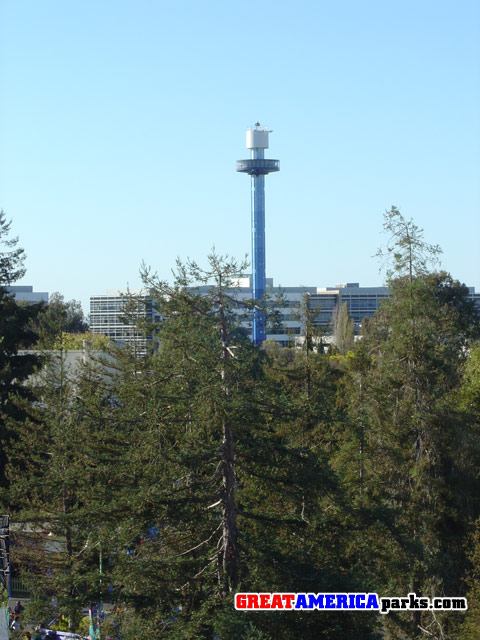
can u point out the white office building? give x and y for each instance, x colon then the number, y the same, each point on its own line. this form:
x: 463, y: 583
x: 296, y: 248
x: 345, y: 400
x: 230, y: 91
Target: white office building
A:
x: 121, y: 315
x: 108, y: 314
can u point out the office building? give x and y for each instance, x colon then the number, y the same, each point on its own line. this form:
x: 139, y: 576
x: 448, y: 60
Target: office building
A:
x: 27, y: 294
x: 362, y: 302
x: 122, y: 316
x: 108, y: 315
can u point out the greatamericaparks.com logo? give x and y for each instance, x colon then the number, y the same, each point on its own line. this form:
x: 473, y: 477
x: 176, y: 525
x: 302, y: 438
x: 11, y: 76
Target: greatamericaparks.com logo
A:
x: 344, y: 602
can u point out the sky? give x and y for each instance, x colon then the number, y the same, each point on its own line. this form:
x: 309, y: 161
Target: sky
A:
x: 121, y: 121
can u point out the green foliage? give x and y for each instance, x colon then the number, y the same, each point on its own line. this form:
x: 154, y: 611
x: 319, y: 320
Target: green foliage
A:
x: 58, y: 483
x: 407, y: 435
x: 471, y: 624
x: 78, y: 341
x: 273, y: 315
x: 172, y: 505
x: 205, y: 465
x: 16, y: 334
x: 58, y: 318
x: 406, y: 252
x: 11, y: 261
x: 470, y: 392
x: 470, y: 403
x: 344, y: 328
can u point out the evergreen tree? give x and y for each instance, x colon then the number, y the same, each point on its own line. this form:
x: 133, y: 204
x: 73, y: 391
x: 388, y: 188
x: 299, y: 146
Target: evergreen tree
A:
x: 181, y: 407
x: 406, y: 254
x: 470, y: 403
x: 412, y: 434
x: 206, y: 465
x: 60, y: 467
x: 344, y: 327
x: 58, y: 317
x: 16, y: 334
x: 223, y: 491
x: 470, y: 629
x: 11, y: 261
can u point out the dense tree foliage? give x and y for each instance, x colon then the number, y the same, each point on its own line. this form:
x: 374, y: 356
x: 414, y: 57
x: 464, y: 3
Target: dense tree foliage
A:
x: 16, y: 333
x: 343, y: 329
x: 12, y: 258
x: 59, y: 317
x: 208, y: 466
x: 419, y: 450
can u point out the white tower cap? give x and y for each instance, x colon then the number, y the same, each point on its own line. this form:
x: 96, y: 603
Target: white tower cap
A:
x: 257, y: 137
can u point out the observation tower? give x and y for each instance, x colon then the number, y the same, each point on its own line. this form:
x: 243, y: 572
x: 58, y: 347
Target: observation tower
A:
x: 258, y: 167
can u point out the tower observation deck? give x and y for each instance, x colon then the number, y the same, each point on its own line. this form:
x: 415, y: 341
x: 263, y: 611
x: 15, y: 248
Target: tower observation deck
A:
x: 258, y: 167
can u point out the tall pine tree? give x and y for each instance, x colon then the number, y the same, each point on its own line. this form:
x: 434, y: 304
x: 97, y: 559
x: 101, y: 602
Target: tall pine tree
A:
x: 412, y: 435
x: 16, y: 333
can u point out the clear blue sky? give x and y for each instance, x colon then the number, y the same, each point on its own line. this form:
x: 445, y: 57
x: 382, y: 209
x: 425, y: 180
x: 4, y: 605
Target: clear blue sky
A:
x: 121, y: 121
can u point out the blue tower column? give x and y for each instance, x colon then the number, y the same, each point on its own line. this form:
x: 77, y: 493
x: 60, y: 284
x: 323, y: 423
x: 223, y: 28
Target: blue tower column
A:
x: 257, y: 167
x: 258, y: 250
